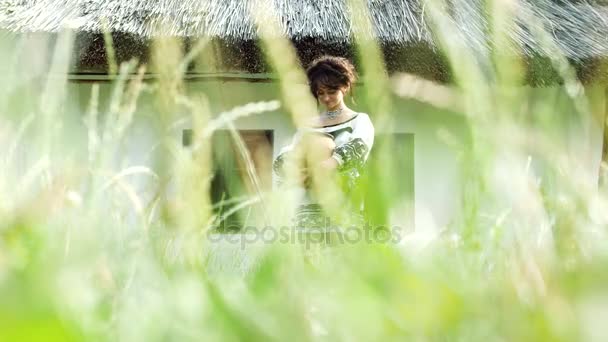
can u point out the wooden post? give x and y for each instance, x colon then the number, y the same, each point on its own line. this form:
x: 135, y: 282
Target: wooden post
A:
x: 603, y: 172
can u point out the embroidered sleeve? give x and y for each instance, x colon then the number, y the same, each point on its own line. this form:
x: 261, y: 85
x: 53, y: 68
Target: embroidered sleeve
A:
x: 279, y: 162
x: 354, y: 153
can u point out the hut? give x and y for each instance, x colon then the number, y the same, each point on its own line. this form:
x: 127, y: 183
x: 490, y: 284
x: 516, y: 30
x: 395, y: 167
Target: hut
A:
x: 240, y: 75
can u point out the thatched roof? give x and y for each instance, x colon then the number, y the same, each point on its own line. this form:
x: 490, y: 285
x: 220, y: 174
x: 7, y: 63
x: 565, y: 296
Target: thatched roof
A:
x: 579, y: 27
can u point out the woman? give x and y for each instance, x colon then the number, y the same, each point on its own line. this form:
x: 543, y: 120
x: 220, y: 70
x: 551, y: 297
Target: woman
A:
x: 337, y: 141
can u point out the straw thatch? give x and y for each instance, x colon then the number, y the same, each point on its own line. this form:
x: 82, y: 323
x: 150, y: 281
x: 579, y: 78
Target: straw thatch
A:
x: 580, y: 28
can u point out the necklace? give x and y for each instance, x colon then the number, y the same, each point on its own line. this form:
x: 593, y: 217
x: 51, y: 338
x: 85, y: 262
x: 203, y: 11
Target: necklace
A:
x: 332, y: 114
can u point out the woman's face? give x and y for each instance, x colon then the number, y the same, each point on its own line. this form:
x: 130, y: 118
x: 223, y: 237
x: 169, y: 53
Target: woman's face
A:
x: 331, y: 99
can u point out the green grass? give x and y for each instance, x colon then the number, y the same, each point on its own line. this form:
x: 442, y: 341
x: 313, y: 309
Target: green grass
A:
x: 94, y: 247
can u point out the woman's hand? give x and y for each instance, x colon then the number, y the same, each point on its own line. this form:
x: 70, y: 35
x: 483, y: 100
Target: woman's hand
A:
x: 324, y: 170
x: 329, y: 165
x: 304, y: 178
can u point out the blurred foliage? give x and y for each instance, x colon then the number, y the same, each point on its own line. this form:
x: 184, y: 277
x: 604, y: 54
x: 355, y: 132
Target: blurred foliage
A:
x: 94, y: 247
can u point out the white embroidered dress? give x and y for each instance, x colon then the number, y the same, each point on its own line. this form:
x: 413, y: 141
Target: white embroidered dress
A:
x: 353, y: 138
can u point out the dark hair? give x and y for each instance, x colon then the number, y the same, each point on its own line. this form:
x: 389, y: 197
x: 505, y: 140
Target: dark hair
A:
x: 330, y: 72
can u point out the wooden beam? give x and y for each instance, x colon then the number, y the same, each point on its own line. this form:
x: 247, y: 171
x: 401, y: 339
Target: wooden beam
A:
x: 195, y: 77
